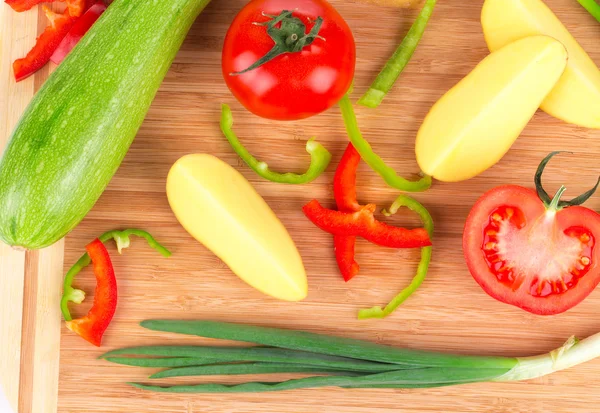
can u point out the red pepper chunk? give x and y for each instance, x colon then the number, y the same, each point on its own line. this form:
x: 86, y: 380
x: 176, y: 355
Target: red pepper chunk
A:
x: 76, y: 7
x: 80, y: 28
x: 46, y: 44
x: 94, y: 324
x: 344, y: 189
x: 363, y: 224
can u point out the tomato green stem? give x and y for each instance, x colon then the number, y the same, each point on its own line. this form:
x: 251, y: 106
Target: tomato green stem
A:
x: 394, y: 67
x: 319, y: 156
x: 553, y: 206
x: 592, y: 7
x: 289, y: 35
x: 372, y: 159
x: 414, y: 205
x: 545, y: 198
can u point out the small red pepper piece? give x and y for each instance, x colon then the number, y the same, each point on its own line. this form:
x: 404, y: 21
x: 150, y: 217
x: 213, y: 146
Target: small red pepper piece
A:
x: 363, y: 224
x: 94, y: 324
x: 81, y: 27
x: 46, y: 44
x: 344, y: 189
x: 76, y: 7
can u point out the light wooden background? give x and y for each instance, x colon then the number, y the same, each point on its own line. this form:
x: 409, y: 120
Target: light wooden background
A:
x: 450, y: 312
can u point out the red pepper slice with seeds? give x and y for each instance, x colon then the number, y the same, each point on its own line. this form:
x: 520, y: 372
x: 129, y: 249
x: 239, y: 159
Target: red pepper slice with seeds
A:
x: 344, y: 189
x: 46, y: 44
x: 80, y: 28
x: 94, y: 324
x: 363, y: 224
x: 75, y: 7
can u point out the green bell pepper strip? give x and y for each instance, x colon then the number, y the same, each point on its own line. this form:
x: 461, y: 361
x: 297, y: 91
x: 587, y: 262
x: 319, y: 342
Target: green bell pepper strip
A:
x: 372, y: 159
x: 319, y: 156
x: 122, y: 240
x: 394, y: 67
x: 592, y: 7
x: 406, y: 201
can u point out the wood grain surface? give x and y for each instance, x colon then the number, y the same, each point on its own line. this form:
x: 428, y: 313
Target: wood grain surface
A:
x: 449, y: 313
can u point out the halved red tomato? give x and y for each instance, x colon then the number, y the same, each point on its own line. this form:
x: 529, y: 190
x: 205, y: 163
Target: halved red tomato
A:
x: 532, y: 252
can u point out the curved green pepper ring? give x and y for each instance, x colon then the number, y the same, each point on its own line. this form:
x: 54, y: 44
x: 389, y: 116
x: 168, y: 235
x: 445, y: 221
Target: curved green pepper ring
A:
x: 372, y: 159
x: 122, y: 240
x: 319, y: 156
x: 413, y: 205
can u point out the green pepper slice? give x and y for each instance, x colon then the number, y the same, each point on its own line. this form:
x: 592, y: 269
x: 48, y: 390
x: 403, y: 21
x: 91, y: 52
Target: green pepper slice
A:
x: 372, y: 159
x: 319, y: 156
x: 412, y: 204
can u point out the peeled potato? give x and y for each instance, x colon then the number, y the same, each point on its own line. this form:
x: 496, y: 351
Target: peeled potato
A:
x: 475, y: 123
x: 220, y: 209
x: 576, y: 97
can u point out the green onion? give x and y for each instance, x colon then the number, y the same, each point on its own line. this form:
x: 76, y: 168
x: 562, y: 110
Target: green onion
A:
x: 413, y: 205
x: 316, y: 343
x: 411, y: 369
x: 592, y: 7
x: 394, y: 67
x: 163, y: 361
x: 211, y: 355
x: 426, y: 377
x: 246, y: 368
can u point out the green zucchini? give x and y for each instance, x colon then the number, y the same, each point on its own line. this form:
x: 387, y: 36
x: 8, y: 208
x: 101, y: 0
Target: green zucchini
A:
x: 78, y: 128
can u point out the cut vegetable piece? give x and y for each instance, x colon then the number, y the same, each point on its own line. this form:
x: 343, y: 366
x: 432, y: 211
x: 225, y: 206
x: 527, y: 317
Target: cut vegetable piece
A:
x: 319, y: 156
x: 576, y: 96
x: 394, y: 67
x: 344, y: 190
x: 77, y: 32
x: 413, y: 205
x: 46, y: 44
x: 389, y: 175
x: 531, y: 251
x: 362, y: 223
x: 475, y: 123
x: 73, y: 295
x: 92, y: 326
x: 220, y: 209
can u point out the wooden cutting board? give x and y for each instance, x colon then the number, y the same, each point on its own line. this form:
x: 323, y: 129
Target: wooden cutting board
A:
x: 449, y: 313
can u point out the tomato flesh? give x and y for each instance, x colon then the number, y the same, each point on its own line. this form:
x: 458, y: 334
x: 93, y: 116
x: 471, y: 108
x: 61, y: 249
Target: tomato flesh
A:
x: 522, y: 254
x: 293, y: 85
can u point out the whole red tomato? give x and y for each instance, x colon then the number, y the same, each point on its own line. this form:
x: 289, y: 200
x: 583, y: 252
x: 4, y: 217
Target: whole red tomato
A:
x: 308, y: 58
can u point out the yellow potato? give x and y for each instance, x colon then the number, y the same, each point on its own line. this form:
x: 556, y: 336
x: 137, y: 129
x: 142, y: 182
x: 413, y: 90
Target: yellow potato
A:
x: 576, y: 97
x: 475, y: 123
x: 220, y: 209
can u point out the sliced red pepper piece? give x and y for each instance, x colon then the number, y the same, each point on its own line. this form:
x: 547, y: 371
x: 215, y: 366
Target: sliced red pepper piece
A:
x: 76, y: 7
x: 79, y: 30
x: 363, y: 224
x: 344, y: 189
x: 46, y: 44
x: 94, y: 324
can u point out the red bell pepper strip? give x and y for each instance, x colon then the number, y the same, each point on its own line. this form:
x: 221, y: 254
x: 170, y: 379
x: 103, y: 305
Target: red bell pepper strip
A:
x: 76, y: 7
x: 362, y: 223
x: 79, y: 30
x: 94, y: 324
x: 46, y: 44
x: 344, y: 189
